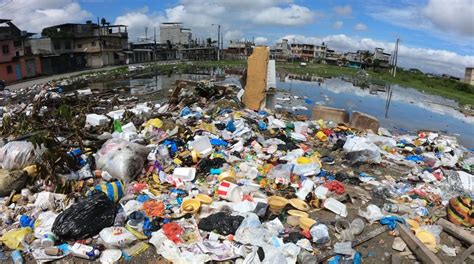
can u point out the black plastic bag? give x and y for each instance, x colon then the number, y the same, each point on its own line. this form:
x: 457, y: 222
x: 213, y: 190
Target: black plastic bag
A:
x: 222, y: 223
x: 85, y: 218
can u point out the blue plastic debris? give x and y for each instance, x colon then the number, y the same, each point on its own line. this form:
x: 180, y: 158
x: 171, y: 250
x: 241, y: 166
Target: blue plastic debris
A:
x: 392, y: 221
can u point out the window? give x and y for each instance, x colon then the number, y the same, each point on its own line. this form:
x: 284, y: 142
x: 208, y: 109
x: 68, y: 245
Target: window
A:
x: 5, y: 49
x: 79, y: 46
x: 68, y: 45
x: 57, y: 45
x: 9, y: 69
x: 93, y: 43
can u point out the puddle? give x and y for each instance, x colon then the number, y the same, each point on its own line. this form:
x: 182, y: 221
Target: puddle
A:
x: 401, y: 109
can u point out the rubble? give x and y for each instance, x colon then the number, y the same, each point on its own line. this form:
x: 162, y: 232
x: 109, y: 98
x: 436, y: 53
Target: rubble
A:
x: 202, y: 179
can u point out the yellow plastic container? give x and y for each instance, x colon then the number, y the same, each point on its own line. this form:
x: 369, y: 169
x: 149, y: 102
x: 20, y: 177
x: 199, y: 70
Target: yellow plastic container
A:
x: 277, y: 203
x: 299, y: 204
x: 298, y: 213
x: 306, y: 223
x: 205, y: 199
x: 191, y: 206
x: 321, y: 136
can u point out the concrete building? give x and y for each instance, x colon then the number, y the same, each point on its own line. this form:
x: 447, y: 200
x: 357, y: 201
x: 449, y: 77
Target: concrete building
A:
x: 239, y: 49
x: 98, y: 45
x: 281, y: 51
x: 320, y: 52
x: 175, y: 33
x: 303, y: 52
x: 16, y: 63
x: 469, y: 76
x: 382, y: 58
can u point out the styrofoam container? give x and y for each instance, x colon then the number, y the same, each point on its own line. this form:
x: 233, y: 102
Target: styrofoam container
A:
x: 185, y: 174
x: 202, y: 145
x: 96, y: 120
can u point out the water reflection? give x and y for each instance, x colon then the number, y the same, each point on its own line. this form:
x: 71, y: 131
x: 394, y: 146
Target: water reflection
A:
x: 396, y: 107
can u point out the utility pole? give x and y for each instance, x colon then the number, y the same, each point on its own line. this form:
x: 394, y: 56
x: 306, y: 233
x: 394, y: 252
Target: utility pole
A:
x: 100, y: 43
x: 154, y: 46
x: 218, y: 42
x: 395, y: 58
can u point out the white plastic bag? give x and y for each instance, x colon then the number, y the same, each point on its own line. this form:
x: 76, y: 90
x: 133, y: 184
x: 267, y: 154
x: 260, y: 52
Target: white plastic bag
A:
x: 361, y: 149
x: 116, y: 237
x: 16, y: 155
x: 122, y: 159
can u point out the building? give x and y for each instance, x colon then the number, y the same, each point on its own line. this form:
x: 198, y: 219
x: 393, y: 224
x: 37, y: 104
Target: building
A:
x: 175, y: 34
x: 89, y: 44
x: 469, y: 76
x: 302, y: 52
x: 381, y: 58
x: 239, y: 49
x: 281, y: 51
x: 15, y: 63
x: 320, y: 52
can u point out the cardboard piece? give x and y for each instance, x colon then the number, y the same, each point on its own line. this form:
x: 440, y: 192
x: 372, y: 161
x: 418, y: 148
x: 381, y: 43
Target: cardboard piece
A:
x: 256, y: 85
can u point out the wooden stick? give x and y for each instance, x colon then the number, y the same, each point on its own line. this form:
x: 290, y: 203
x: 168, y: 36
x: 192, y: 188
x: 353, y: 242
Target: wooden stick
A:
x: 361, y: 239
x: 464, y: 255
x: 420, y: 250
x: 456, y: 231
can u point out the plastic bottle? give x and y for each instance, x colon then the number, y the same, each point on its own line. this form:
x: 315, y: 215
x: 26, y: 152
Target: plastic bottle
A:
x: 16, y: 257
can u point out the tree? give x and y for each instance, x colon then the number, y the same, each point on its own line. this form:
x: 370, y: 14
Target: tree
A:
x: 376, y: 64
x: 103, y: 21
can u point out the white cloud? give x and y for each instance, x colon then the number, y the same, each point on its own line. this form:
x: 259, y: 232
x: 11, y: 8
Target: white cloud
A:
x: 428, y: 60
x: 233, y: 35
x: 233, y: 16
x: 343, y: 10
x: 338, y: 24
x: 34, y: 15
x: 452, y: 21
x: 289, y: 16
x: 137, y: 21
x: 454, y: 15
x: 261, y: 40
x: 360, y: 27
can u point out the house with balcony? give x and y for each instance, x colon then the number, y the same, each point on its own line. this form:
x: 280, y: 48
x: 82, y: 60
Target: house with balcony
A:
x: 381, y: 58
x: 302, y: 52
x: 16, y: 63
x: 320, y: 52
x: 87, y: 45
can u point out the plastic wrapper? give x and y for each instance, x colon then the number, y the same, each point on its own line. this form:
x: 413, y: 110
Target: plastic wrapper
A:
x: 16, y: 155
x: 116, y: 237
x: 75, y: 223
x: 361, y: 149
x: 15, y: 238
x: 121, y: 159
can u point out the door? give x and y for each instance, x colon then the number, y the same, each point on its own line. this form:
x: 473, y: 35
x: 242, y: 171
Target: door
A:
x: 30, y: 68
x: 18, y: 72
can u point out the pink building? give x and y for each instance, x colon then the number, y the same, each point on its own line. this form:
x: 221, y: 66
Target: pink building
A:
x: 15, y: 64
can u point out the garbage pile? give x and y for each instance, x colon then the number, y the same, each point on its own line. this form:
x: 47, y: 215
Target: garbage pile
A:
x: 202, y: 179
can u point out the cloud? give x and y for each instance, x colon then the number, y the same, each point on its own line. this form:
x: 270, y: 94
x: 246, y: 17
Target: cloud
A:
x: 290, y: 16
x: 34, y: 15
x: 428, y: 60
x: 233, y: 16
x: 261, y: 40
x: 452, y: 21
x: 457, y: 16
x: 233, y: 35
x: 343, y: 10
x: 360, y: 27
x: 338, y: 24
x: 137, y: 21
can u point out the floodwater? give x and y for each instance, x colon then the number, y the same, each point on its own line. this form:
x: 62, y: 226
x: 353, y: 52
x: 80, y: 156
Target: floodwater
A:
x: 399, y: 109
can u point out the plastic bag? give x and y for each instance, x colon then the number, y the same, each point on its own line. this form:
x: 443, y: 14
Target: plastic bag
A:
x: 85, y: 218
x: 121, y: 159
x: 116, y: 237
x: 361, y: 149
x: 14, y: 238
x: 221, y: 222
x: 16, y: 155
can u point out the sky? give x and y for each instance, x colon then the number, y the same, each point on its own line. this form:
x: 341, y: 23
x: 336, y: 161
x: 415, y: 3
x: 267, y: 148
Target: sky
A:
x: 436, y: 35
